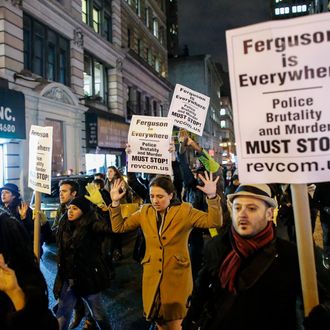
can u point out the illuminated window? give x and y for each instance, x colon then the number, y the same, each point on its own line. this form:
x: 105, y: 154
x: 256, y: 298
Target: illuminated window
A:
x: 299, y: 9
x: 294, y: 9
x: 95, y: 78
x: 97, y: 14
x: 96, y: 19
x: 277, y: 11
x: 281, y: 11
x: 84, y: 11
x: 223, y: 124
x: 222, y: 112
x: 155, y: 27
x: 286, y: 10
x: 303, y: 8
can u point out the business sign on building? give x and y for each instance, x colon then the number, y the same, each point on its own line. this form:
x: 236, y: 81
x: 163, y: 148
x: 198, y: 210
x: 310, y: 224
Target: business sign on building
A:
x: 40, y: 158
x: 279, y: 74
x: 12, y: 114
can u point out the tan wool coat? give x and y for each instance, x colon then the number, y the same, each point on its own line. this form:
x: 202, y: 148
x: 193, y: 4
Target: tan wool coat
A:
x: 166, y: 265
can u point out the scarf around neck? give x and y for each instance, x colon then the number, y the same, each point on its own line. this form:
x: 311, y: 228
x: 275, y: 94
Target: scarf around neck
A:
x: 242, y: 248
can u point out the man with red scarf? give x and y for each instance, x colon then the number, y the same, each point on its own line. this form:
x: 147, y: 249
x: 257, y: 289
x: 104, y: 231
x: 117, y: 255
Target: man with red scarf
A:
x: 250, y: 278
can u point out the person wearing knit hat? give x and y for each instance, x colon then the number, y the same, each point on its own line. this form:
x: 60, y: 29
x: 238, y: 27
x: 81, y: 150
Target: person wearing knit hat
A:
x: 12, y: 203
x: 82, y: 272
x: 82, y: 204
x: 250, y: 278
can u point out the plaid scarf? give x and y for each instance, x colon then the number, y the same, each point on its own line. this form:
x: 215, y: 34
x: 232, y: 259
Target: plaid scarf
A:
x: 242, y: 248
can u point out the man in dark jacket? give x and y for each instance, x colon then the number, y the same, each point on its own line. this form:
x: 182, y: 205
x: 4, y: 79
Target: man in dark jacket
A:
x: 250, y: 279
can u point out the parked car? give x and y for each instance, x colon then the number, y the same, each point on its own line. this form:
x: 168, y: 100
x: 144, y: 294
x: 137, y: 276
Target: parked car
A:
x: 51, y: 202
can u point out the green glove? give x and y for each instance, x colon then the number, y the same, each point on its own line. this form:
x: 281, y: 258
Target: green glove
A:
x: 94, y: 196
x: 209, y: 163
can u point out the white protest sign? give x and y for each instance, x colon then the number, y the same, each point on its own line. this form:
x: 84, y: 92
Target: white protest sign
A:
x: 149, y: 139
x: 40, y: 158
x: 279, y: 73
x: 189, y: 109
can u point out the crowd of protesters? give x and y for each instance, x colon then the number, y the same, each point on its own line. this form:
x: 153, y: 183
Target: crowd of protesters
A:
x: 247, y: 276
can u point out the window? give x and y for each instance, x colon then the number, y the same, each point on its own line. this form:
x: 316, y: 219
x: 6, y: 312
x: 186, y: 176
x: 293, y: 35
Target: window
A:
x: 222, y: 112
x: 139, y: 47
x: 107, y: 31
x: 155, y: 27
x: 157, y: 64
x: 154, y: 106
x: 95, y: 79
x: 223, y: 124
x: 98, y: 15
x: 129, y: 38
x: 46, y: 53
x: 162, y: 35
x: 96, y: 19
x: 84, y: 11
x: 147, y: 17
x: 147, y: 108
x: 138, y: 7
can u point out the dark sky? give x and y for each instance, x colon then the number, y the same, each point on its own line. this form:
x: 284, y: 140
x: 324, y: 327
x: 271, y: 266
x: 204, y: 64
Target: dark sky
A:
x: 202, y: 23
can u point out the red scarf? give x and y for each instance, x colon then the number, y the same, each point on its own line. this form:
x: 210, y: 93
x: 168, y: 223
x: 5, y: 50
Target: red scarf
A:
x: 242, y: 248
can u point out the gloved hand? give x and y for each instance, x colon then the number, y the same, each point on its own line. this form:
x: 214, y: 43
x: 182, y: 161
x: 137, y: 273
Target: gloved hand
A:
x: 42, y: 216
x: 95, y: 196
x: 209, y: 163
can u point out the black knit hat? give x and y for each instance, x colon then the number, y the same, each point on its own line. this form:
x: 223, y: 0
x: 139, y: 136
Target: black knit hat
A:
x: 82, y: 203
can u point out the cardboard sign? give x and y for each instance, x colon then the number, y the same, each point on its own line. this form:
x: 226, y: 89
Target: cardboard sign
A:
x: 188, y: 109
x: 40, y: 158
x: 279, y: 74
x: 149, y: 139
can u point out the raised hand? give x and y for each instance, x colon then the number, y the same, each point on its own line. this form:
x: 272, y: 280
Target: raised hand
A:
x: 117, y: 192
x: 22, y: 210
x: 210, y: 185
x: 9, y: 284
x: 94, y: 196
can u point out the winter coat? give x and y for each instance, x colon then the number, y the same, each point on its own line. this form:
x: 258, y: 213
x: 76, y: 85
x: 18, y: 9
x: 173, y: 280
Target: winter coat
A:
x: 17, y: 251
x: 166, y: 265
x: 80, y: 256
x: 268, y: 285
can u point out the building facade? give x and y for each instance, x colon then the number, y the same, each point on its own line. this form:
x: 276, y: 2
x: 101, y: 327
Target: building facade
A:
x: 79, y: 70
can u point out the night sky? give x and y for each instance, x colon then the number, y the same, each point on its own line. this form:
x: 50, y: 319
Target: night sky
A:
x: 202, y: 23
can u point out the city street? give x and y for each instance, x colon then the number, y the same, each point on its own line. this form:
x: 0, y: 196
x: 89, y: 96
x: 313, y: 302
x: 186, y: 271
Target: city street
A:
x: 122, y: 300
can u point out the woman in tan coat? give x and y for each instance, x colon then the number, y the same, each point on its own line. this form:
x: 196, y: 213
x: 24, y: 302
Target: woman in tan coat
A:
x: 166, y: 225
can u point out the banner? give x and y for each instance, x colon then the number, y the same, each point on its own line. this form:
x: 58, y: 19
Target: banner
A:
x: 149, y: 139
x: 279, y: 74
x: 40, y: 158
x: 188, y: 109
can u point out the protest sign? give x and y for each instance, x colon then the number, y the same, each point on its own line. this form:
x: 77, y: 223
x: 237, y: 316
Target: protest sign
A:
x: 279, y: 73
x: 188, y: 109
x: 40, y: 158
x: 149, y: 139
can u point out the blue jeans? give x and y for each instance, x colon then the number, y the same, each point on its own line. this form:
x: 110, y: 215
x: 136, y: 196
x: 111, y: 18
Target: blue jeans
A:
x: 68, y: 300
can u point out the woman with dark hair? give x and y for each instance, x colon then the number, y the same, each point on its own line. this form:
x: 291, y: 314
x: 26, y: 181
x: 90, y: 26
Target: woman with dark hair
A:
x: 23, y: 290
x: 82, y: 270
x: 166, y: 224
x: 12, y: 203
